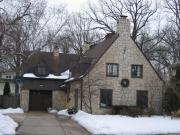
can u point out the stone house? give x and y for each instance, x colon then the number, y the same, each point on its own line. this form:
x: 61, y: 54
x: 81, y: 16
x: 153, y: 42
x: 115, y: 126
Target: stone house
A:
x: 112, y: 73
x: 118, y: 74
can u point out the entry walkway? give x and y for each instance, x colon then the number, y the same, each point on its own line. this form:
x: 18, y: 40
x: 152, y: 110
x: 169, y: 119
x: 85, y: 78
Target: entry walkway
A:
x: 47, y: 124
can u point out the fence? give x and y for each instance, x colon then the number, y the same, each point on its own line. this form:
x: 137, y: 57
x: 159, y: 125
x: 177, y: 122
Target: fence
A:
x: 9, y: 101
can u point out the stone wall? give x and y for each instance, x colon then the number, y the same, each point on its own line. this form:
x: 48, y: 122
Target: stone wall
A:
x: 24, y: 100
x: 75, y: 85
x: 124, y: 52
x: 59, y: 99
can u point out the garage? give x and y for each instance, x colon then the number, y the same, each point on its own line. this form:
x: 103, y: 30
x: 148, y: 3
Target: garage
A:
x: 40, y: 100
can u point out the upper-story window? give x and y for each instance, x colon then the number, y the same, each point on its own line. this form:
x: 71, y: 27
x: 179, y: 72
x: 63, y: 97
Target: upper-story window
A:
x: 112, y: 69
x: 137, y: 71
x: 41, y: 69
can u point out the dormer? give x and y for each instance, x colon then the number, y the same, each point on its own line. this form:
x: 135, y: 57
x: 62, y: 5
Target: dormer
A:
x: 41, y: 69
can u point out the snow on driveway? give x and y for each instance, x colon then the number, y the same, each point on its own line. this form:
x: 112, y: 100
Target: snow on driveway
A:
x: 7, y: 125
x: 117, y: 124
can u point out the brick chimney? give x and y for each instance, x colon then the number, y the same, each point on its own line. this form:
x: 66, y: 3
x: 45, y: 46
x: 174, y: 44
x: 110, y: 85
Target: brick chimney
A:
x: 123, y: 26
x: 56, y: 51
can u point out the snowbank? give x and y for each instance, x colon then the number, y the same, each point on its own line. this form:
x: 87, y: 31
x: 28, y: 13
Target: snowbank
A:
x: 117, y: 124
x: 7, y: 125
x: 53, y: 111
x: 11, y: 110
x: 63, y: 112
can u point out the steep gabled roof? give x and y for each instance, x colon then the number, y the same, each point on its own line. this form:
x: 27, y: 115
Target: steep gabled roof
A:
x: 98, y: 50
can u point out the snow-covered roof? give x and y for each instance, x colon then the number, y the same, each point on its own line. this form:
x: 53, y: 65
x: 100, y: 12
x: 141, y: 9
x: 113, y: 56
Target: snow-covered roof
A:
x: 50, y: 76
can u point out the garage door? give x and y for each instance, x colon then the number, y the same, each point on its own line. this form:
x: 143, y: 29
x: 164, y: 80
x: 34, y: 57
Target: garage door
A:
x: 40, y: 100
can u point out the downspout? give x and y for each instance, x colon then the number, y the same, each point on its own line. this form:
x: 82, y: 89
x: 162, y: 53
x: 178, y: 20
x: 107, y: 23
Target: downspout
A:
x: 81, y: 92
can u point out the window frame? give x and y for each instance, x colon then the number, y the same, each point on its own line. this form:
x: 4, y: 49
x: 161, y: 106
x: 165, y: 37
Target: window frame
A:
x: 133, y: 76
x: 112, y: 64
x: 142, y: 105
x: 108, y: 91
x: 41, y: 66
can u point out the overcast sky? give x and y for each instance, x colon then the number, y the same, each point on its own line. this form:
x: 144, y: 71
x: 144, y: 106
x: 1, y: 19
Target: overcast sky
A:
x: 72, y: 5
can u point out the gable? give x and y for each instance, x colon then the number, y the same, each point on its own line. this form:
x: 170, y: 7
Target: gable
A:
x: 125, y: 52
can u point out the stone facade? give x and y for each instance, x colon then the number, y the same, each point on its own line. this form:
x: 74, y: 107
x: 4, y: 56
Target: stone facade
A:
x: 24, y: 100
x: 59, y: 99
x: 124, y: 52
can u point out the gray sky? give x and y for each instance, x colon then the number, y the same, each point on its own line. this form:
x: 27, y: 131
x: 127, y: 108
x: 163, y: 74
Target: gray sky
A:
x: 72, y: 5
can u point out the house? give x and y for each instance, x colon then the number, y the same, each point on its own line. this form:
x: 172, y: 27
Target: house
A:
x: 44, y: 74
x: 7, y: 76
x: 118, y: 74
x: 112, y: 73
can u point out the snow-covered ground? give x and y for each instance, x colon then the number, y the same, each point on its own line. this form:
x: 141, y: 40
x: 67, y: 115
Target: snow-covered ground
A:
x: 118, y: 124
x: 7, y: 125
x: 11, y: 110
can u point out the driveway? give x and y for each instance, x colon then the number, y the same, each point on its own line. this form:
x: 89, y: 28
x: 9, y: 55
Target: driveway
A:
x: 38, y: 123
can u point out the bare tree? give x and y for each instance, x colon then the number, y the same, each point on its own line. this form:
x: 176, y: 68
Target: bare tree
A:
x: 17, y: 33
x: 79, y: 32
x: 91, y: 90
x: 108, y: 12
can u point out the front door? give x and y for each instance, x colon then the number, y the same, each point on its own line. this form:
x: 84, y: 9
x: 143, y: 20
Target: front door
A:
x: 40, y: 100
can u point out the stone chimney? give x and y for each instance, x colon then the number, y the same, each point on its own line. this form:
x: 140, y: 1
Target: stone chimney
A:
x: 56, y: 51
x: 123, y: 26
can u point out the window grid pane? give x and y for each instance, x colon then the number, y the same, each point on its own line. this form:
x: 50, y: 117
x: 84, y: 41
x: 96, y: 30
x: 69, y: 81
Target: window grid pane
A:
x: 112, y: 69
x: 136, y: 71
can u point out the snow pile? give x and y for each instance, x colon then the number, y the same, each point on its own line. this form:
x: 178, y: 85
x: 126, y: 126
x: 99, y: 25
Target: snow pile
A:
x: 117, y: 124
x: 30, y: 75
x: 66, y: 73
x: 53, y: 111
x: 11, y: 110
x: 7, y: 125
x: 70, y: 79
x: 63, y: 112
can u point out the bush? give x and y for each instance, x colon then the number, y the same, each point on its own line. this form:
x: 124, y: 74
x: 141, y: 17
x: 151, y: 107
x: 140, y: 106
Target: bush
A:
x: 129, y: 110
x: 7, y: 89
x: 171, y: 102
x: 72, y: 110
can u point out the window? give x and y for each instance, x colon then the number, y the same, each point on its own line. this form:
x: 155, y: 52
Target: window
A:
x: 142, y: 99
x: 136, y: 71
x: 41, y: 69
x: 112, y: 69
x: 105, y: 98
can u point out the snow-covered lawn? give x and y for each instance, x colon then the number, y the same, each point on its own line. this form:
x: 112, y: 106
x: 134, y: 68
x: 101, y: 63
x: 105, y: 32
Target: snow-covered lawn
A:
x: 11, y: 110
x: 7, y: 125
x: 118, y: 124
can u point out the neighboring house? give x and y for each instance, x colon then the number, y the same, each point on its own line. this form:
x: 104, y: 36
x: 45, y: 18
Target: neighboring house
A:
x: 44, y: 74
x: 112, y: 73
x: 7, y: 76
